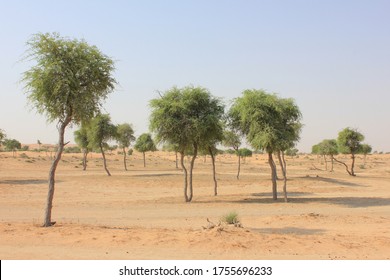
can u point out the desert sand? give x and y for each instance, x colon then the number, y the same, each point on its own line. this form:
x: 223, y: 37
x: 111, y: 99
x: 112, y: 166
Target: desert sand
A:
x: 141, y: 213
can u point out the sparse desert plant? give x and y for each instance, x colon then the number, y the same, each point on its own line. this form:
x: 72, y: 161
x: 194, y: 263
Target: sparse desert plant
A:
x: 231, y: 218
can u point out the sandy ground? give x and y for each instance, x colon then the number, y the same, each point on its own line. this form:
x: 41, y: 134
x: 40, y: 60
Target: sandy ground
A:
x: 141, y: 213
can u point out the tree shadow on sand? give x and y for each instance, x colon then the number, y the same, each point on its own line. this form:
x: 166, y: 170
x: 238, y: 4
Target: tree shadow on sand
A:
x: 289, y: 230
x: 24, y: 182
x: 353, y: 202
x: 332, y: 181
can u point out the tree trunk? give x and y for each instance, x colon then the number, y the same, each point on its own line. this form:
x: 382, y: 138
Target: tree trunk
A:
x: 124, y: 158
x: 353, y: 165
x: 214, y: 177
x: 346, y: 167
x: 50, y: 195
x: 143, y: 153
x: 283, y: 165
x: 191, y: 171
x: 331, y: 160
x: 85, y: 154
x: 326, y: 163
x: 176, y: 160
x: 273, y: 176
x: 185, y: 177
x: 104, y: 160
x: 239, y: 165
x: 274, y: 166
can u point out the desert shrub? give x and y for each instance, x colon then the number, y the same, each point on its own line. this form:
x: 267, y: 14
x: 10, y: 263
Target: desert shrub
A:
x: 231, y: 218
x: 25, y: 148
x: 23, y: 155
x: 69, y: 150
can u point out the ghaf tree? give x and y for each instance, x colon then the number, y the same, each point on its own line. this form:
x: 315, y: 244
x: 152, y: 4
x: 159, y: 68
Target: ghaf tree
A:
x: 68, y: 83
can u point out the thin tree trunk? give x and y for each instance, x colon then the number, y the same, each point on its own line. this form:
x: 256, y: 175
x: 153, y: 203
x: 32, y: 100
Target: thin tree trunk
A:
x: 104, y: 160
x: 274, y: 168
x: 85, y: 154
x: 214, y: 176
x: 353, y: 165
x: 176, y: 160
x: 282, y: 163
x: 185, y: 177
x: 326, y: 163
x: 50, y: 195
x: 124, y: 158
x: 191, y: 171
x: 346, y: 167
x: 273, y: 176
x: 331, y: 159
x: 143, y: 153
x: 239, y: 165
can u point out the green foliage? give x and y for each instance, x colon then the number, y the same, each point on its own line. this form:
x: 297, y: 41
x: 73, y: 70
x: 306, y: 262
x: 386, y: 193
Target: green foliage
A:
x: 231, y: 218
x: 12, y: 145
x: 244, y: 152
x: 231, y: 139
x: 365, y: 149
x: 291, y: 152
x: 124, y: 135
x: 326, y: 147
x: 230, y: 151
x: 186, y: 117
x: 269, y: 123
x: 70, y: 150
x: 100, y: 131
x: 70, y: 78
x: 81, y: 137
x: 2, y: 136
x: 349, y: 141
x: 130, y: 152
x: 25, y: 148
x: 145, y: 143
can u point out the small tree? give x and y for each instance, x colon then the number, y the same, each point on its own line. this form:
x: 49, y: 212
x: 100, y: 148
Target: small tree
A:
x: 172, y: 148
x: 81, y: 139
x: 269, y: 123
x: 101, y: 130
x: 244, y: 153
x: 291, y: 152
x: 365, y: 150
x: 349, y: 142
x: 232, y: 139
x: 191, y: 118
x: 145, y: 144
x: 12, y: 145
x: 124, y: 137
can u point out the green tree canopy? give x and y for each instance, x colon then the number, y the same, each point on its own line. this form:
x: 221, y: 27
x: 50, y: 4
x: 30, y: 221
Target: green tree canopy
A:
x: 82, y: 140
x: 270, y: 123
x: 68, y: 84
x: 189, y: 117
x: 145, y: 144
x: 12, y: 145
x: 124, y: 137
x: 349, y: 141
x: 2, y: 136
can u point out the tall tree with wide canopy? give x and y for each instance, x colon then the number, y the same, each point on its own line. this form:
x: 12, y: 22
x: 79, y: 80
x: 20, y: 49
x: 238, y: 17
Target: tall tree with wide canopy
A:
x: 145, y: 144
x: 349, y: 141
x: 81, y: 139
x: 191, y: 118
x: 270, y: 123
x: 100, y: 131
x: 124, y: 137
x: 68, y: 84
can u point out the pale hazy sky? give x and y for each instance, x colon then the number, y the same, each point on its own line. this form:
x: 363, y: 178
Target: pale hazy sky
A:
x: 332, y: 57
